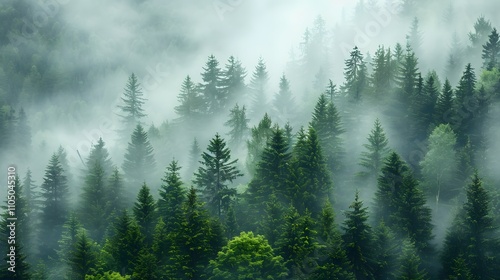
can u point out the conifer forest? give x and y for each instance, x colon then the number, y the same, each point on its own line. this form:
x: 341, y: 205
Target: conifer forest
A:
x: 250, y: 139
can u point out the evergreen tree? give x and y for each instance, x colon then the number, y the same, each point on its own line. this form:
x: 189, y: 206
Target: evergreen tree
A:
x: 260, y: 134
x: 133, y: 100
x: 146, y: 267
x: 297, y: 242
x: 258, y: 89
x: 382, y: 75
x: 358, y: 240
x: 139, y: 161
x: 83, y: 258
x: 415, y: 36
x: 443, y: 111
x: 32, y: 195
x: 23, y: 133
x: 423, y: 108
x: 410, y: 264
x: 145, y: 213
x: 211, y: 88
x: 326, y: 121
x: 247, y: 257
x: 71, y: 228
x: 376, y: 151
x: 408, y: 76
x: 491, y: 51
x: 455, y: 59
x: 93, y: 204
x: 385, y: 250
x: 115, y: 195
x: 482, y: 28
x: 63, y: 159
x: 238, y: 123
x: 99, y: 155
x: 216, y: 172
x: 272, y: 221
x: 54, y: 206
x: 191, y: 107
x: 465, y: 104
x: 231, y: 224
x: 355, y: 74
x: 439, y: 166
x: 233, y: 80
x: 284, y: 102
x: 194, y: 157
x: 172, y: 196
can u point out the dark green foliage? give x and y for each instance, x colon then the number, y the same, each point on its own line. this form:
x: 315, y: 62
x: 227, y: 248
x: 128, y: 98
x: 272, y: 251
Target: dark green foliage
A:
x: 93, y: 204
x: 99, y: 154
x: 260, y: 135
x: 238, y: 123
x: 172, y: 196
x: 192, y: 106
x: 214, y: 97
x: 326, y: 121
x: 116, y: 200
x: 376, y: 151
x: 358, y: 240
x: 423, y: 108
x: 247, y: 257
x: 465, y: 105
x: 410, y: 264
x: 133, y: 100
x: 145, y: 213
x: 407, y: 78
x: 491, y: 51
x: 482, y: 29
x: 385, y: 250
x: 83, y: 258
x: 443, y: 111
x: 297, y: 242
x: 258, y: 89
x: 146, y: 267
x: 71, y: 229
x: 216, y: 171
x: 139, y: 160
x: 383, y: 72
x: 356, y: 75
x: 54, y: 206
x: 272, y: 221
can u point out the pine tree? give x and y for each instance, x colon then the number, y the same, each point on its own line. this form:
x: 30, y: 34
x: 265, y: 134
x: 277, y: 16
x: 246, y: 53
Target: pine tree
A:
x: 139, y: 161
x: 133, y: 100
x: 233, y: 80
x: 145, y: 213
x: 93, y: 204
x: 216, y: 171
x: 238, y: 123
x: 172, y: 196
x: 284, y: 102
x: 355, y: 74
x: 191, y: 107
x: 247, y: 257
x: 297, y: 242
x: 260, y: 134
x: 83, y: 258
x: 258, y: 88
x: 410, y: 264
x: 54, y: 206
x: 376, y: 151
x: 491, y: 51
x: 443, y: 112
x: 358, y: 240
x: 214, y: 98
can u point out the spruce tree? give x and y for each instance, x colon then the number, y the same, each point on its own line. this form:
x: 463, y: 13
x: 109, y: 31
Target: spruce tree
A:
x: 93, y: 212
x: 272, y: 220
x: 54, y: 206
x: 238, y: 124
x: 491, y: 51
x: 284, y: 102
x: 194, y: 157
x: 410, y: 264
x: 216, y: 171
x: 358, y: 240
x: 260, y: 134
x: 465, y: 104
x: 376, y: 151
x: 133, y: 100
x: 191, y: 107
x: 214, y: 97
x: 258, y: 89
x: 233, y: 80
x: 415, y: 36
x: 443, y: 111
x: 71, y: 228
x: 172, y: 196
x: 423, y: 108
x: 385, y: 248
x: 115, y: 196
x: 381, y: 77
x: 355, y: 74
x: 99, y: 154
x: 146, y: 267
x: 83, y: 258
x: 145, y: 213
x: 139, y: 162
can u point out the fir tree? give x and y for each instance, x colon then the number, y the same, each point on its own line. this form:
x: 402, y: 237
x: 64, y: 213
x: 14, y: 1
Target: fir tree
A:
x: 358, y: 240
x: 172, y: 196
x: 194, y: 157
x: 491, y: 51
x: 260, y: 134
x: 284, y: 102
x: 385, y: 250
x: 71, y: 228
x: 410, y: 264
x: 381, y: 76
x: 146, y: 267
x: 482, y: 27
x: 93, y: 203
x: 145, y: 213
x: 214, y: 97
x: 139, y: 160
x: 233, y: 80
x: 238, y: 123
x: 465, y: 104
x: 423, y: 108
x: 216, y: 171
x: 272, y: 221
x: 191, y: 107
x: 355, y: 74
x: 100, y: 155
x: 443, y: 112
x: 258, y: 89
x: 115, y: 194
x: 376, y: 151
x: 133, y: 100
x: 54, y: 206
x: 83, y: 258
x: 415, y: 36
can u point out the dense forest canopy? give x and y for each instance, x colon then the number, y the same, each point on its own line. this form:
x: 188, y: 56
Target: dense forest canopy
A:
x: 250, y: 139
